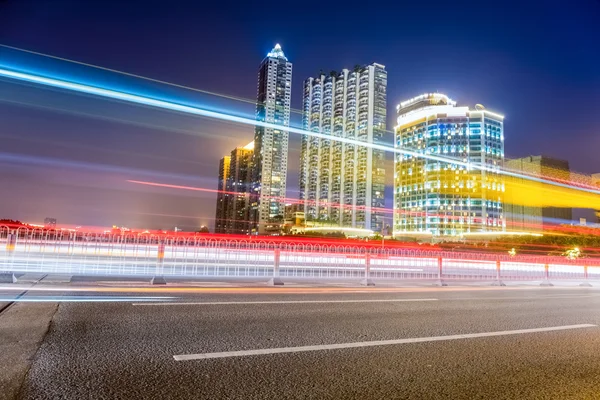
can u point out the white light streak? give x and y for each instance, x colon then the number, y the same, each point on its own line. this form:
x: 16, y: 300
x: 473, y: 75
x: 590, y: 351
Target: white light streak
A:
x: 132, y: 98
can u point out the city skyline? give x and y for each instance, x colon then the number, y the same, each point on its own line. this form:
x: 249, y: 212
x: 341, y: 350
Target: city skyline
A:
x: 536, y: 125
x: 231, y: 200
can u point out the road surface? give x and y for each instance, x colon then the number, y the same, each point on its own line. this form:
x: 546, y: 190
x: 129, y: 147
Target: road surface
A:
x: 318, y: 343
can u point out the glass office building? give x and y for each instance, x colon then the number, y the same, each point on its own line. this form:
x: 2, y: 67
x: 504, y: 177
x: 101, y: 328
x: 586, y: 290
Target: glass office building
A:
x: 447, y: 198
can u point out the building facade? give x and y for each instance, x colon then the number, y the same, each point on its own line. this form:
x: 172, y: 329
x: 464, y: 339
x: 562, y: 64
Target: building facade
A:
x: 439, y: 198
x: 239, y: 189
x: 222, y: 196
x: 270, y: 158
x: 528, y: 218
x: 343, y: 183
x: 596, y: 182
x: 234, y: 192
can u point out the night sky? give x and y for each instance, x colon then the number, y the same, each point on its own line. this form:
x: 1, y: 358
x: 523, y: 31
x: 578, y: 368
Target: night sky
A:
x: 69, y: 156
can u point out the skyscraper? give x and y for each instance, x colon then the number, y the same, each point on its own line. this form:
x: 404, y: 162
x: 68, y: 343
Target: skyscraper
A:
x: 269, y: 172
x: 340, y: 183
x: 521, y: 217
x: 238, y: 187
x: 441, y: 198
x: 222, y: 197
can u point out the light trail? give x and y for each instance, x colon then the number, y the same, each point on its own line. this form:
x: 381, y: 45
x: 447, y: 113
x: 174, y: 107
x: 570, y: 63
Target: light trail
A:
x: 152, y: 102
x: 82, y: 299
x: 580, y: 178
x: 285, y: 199
x: 13, y: 159
x: 340, y: 206
x: 145, y: 78
x: 259, y: 290
x: 153, y: 126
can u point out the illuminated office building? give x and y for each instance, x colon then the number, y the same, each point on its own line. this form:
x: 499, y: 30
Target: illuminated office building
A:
x: 222, y: 198
x: 527, y: 218
x: 445, y: 198
x: 340, y: 183
x: 269, y: 171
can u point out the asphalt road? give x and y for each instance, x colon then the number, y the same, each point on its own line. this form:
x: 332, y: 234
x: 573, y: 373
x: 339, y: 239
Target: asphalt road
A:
x: 122, y: 350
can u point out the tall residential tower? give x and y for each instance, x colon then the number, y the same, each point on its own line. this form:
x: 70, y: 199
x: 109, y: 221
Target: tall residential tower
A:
x: 445, y: 198
x: 269, y: 171
x: 343, y: 183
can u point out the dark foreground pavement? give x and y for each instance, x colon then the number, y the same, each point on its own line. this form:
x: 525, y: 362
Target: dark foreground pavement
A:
x: 126, y: 351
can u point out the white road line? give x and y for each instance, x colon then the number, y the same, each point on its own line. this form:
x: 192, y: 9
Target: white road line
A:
x: 224, y: 303
x: 483, y: 298
x: 242, y: 353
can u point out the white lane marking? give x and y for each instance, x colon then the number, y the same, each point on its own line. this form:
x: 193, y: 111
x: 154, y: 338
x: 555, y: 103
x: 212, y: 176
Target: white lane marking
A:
x: 222, y: 303
x: 337, y: 346
x: 520, y: 298
x: 216, y: 303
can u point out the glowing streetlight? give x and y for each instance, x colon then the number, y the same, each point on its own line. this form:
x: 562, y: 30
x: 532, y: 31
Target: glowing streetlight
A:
x: 573, y: 254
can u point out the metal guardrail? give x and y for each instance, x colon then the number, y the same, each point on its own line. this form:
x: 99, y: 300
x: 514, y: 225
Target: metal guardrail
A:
x: 77, y: 253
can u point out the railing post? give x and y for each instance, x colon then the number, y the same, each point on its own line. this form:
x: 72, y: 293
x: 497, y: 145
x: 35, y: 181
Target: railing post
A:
x: 546, y: 281
x: 158, y: 278
x: 498, y: 281
x: 9, y: 276
x: 586, y: 282
x: 367, y: 281
x: 276, y: 280
x: 440, y: 280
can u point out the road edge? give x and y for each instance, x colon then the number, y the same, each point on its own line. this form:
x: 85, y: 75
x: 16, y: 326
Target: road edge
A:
x: 23, y: 328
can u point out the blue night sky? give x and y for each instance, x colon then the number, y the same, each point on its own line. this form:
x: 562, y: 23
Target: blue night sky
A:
x: 538, y: 64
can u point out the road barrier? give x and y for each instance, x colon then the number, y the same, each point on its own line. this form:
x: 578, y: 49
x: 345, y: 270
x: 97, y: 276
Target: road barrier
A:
x: 160, y: 256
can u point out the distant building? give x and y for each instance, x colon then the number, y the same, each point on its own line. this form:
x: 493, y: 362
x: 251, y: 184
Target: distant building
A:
x: 341, y: 183
x: 596, y: 179
x: 233, y: 197
x: 222, y: 196
x: 239, y: 184
x: 50, y: 223
x: 294, y: 214
x: 596, y: 182
x: 437, y: 198
x: 521, y: 217
x: 270, y: 157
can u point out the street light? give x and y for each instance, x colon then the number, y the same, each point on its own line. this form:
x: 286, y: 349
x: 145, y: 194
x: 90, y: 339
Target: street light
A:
x: 573, y: 254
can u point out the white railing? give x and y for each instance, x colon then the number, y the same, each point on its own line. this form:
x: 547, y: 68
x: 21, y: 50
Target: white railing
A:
x: 76, y: 253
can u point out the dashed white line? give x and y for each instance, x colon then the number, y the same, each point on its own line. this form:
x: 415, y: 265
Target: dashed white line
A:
x: 338, y: 346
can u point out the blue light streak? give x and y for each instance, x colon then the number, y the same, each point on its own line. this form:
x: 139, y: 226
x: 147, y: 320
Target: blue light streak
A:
x: 152, y: 102
x: 16, y: 159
